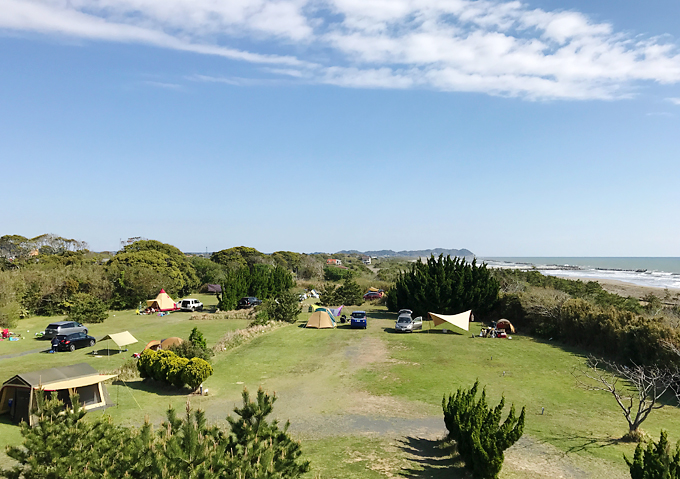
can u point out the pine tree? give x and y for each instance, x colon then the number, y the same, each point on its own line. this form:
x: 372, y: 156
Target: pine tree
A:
x: 476, y: 429
x: 656, y: 461
x: 265, y: 449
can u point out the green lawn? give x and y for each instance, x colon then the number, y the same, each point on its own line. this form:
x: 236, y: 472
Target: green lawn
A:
x: 368, y: 403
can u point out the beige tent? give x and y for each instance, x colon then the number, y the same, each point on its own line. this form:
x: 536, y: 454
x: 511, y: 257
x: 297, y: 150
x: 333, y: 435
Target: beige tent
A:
x: 18, y: 394
x: 163, y: 302
x: 167, y: 343
x: 320, y: 320
x: 461, y: 320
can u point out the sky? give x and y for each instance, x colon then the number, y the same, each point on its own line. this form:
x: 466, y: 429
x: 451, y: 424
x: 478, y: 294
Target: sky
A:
x: 535, y: 128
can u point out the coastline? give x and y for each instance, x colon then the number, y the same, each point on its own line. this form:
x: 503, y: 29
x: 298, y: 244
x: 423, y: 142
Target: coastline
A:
x: 624, y: 288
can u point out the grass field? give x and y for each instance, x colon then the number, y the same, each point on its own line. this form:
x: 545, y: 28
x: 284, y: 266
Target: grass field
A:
x: 367, y: 403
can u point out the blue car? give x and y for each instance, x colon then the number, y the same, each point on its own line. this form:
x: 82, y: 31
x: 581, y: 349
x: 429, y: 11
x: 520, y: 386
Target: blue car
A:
x: 358, y: 320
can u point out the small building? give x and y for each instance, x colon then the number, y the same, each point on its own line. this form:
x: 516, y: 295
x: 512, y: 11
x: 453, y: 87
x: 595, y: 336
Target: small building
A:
x: 18, y: 394
x: 366, y: 259
x: 333, y: 261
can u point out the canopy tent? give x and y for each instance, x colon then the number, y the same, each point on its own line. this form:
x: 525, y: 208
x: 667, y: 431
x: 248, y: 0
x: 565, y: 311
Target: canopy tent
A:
x: 163, y: 302
x: 81, y: 378
x: 121, y: 339
x: 214, y: 288
x: 320, y: 320
x: 505, y: 324
x: 167, y: 343
x: 461, y: 320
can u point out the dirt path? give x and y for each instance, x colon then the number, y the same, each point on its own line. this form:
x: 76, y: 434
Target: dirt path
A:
x: 412, y: 431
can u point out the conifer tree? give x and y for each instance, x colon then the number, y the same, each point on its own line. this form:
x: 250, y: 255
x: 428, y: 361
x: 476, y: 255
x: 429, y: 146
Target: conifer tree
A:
x: 656, y: 461
x: 477, y: 431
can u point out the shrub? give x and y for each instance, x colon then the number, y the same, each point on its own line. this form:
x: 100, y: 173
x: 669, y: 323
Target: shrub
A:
x: 479, y: 435
x: 656, y: 461
x: 88, y: 309
x: 174, y: 371
x: 286, y: 307
x: 189, y: 350
x: 196, y: 337
x: 195, y: 372
x: 146, y: 362
x: 446, y: 285
x: 159, y: 369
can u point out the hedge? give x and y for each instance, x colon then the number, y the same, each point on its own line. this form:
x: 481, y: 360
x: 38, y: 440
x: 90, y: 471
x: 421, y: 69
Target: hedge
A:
x: 169, y: 368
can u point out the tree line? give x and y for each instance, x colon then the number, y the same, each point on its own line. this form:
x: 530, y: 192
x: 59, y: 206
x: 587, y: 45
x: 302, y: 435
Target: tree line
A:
x: 62, y: 277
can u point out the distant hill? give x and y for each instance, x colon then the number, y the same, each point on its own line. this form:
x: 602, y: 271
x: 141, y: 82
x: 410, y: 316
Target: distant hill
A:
x: 388, y: 253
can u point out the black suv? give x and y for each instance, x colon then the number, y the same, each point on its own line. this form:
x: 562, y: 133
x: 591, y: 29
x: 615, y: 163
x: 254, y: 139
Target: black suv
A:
x: 248, y: 302
x: 70, y: 342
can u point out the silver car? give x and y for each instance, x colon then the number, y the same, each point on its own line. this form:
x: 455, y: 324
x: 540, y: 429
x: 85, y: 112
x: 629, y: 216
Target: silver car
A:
x: 406, y: 324
x: 63, y: 327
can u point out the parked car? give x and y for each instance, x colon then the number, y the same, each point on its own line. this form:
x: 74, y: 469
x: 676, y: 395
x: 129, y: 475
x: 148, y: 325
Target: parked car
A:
x: 371, y: 295
x: 248, y: 302
x: 63, y: 327
x: 406, y: 324
x: 358, y: 320
x: 71, y: 342
x: 404, y: 311
x: 190, y: 304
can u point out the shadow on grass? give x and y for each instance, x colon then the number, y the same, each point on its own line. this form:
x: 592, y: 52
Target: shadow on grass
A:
x: 380, y: 314
x: 422, y: 331
x: 153, y: 387
x: 430, y: 459
x: 573, y: 443
x: 5, y: 419
x: 107, y: 352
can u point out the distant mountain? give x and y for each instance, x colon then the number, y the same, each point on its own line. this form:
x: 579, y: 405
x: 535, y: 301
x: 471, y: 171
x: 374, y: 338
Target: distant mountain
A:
x: 388, y: 253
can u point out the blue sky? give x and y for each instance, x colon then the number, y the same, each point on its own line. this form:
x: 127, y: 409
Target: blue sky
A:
x: 518, y: 129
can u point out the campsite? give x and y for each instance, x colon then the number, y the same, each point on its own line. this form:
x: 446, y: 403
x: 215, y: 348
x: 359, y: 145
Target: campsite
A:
x: 368, y: 403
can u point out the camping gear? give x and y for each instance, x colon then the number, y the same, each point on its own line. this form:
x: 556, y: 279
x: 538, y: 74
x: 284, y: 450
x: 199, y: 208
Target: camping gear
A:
x: 336, y: 311
x: 121, y: 339
x: 18, y: 393
x: 461, y: 320
x: 163, y: 302
x: 505, y: 324
x: 320, y: 320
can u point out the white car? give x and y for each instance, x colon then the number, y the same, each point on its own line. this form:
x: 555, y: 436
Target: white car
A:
x: 407, y: 324
x: 190, y: 304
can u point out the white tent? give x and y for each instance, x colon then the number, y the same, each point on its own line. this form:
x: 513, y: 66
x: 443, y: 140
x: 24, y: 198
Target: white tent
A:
x: 461, y: 320
x: 121, y: 339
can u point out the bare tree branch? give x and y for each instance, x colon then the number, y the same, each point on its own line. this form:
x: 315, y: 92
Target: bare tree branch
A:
x: 636, y: 389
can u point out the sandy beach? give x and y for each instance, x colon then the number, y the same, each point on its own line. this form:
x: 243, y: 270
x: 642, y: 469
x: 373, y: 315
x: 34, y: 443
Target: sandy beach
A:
x: 629, y: 289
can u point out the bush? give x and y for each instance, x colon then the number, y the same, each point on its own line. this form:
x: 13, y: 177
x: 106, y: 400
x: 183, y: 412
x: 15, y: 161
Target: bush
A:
x: 189, y: 350
x: 444, y: 285
x: 195, y: 372
x: 476, y: 428
x: 656, y: 461
x: 286, y: 307
x: 166, y: 366
x: 88, y: 309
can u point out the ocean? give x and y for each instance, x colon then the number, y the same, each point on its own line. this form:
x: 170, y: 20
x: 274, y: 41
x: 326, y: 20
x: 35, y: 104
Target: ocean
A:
x: 657, y: 272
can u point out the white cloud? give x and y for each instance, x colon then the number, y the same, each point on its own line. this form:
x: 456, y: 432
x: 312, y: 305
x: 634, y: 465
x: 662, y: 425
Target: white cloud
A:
x: 675, y: 101
x: 491, y: 46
